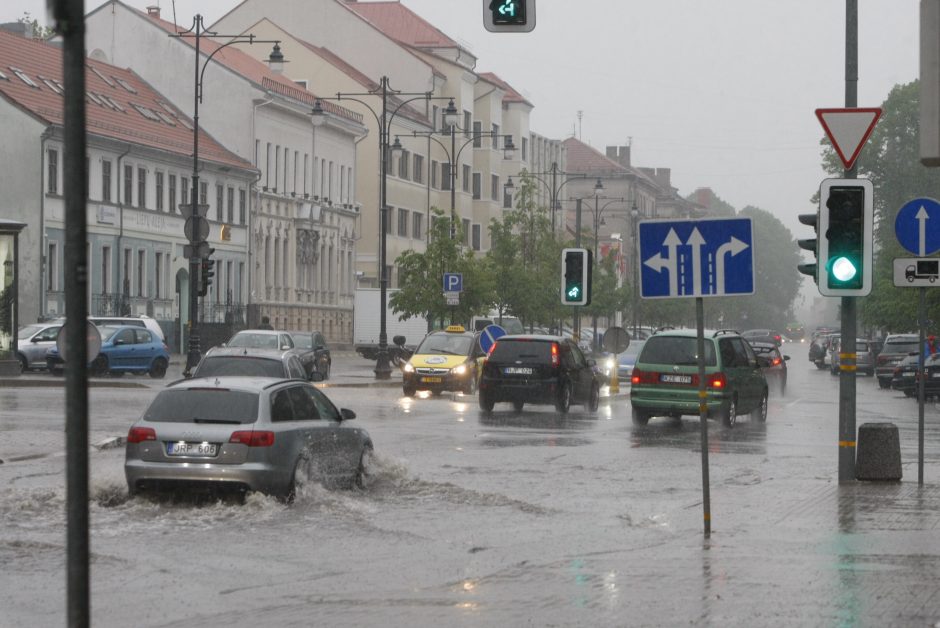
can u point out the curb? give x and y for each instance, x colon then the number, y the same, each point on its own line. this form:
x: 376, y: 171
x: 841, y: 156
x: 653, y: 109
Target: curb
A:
x: 15, y: 382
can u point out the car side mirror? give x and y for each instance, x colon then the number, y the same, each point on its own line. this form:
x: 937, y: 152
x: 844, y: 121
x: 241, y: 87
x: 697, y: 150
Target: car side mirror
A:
x: 35, y: 339
x: 786, y: 357
x: 285, y: 347
x: 347, y: 414
x: 316, y: 376
x: 591, y: 362
x: 118, y: 341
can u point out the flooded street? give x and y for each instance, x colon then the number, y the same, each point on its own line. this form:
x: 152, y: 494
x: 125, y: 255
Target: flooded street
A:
x: 512, y: 519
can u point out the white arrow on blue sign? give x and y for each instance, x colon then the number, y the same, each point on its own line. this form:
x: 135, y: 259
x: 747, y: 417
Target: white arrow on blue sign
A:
x: 453, y: 282
x: 917, y: 226
x: 696, y: 258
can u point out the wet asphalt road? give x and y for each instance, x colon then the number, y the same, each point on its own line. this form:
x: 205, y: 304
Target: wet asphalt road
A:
x: 503, y: 520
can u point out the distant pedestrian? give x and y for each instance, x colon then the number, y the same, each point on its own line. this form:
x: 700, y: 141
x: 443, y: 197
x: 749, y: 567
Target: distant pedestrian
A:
x: 930, y: 346
x: 265, y: 323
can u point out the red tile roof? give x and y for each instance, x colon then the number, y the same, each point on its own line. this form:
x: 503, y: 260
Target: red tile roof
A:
x: 512, y: 96
x: 402, y: 24
x: 584, y: 158
x: 119, y: 104
x: 248, y: 67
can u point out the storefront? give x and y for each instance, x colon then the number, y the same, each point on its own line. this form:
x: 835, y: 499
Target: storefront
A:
x: 9, y: 267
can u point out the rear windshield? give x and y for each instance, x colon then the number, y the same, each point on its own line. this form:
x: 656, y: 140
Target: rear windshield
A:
x: 302, y: 341
x: 197, y: 405
x: 900, y: 347
x: 254, y: 341
x: 230, y: 365
x: 678, y: 350
x: 525, y: 350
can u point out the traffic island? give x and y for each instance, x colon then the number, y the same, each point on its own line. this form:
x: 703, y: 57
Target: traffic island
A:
x: 878, y: 453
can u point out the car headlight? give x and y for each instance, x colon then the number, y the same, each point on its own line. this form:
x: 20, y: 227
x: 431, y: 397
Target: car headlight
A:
x: 408, y: 368
x: 460, y: 370
x: 610, y: 364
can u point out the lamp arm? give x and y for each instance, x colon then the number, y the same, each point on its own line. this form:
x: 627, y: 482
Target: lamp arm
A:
x: 338, y: 98
x: 240, y: 39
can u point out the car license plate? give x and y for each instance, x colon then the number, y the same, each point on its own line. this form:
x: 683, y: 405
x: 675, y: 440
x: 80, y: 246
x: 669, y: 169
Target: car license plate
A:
x: 431, y: 380
x: 907, y: 374
x: 675, y: 379
x: 198, y: 450
x: 935, y: 374
x: 518, y: 370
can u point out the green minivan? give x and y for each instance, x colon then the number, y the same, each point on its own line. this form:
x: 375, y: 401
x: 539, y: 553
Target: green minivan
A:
x: 665, y: 378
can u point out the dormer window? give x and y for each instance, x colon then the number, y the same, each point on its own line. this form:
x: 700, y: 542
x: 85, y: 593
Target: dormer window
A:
x: 125, y: 85
x: 51, y: 85
x: 102, y: 76
x: 22, y: 76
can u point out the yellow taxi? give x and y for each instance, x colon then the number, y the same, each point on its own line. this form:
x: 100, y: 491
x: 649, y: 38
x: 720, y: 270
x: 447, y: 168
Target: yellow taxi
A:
x: 445, y: 360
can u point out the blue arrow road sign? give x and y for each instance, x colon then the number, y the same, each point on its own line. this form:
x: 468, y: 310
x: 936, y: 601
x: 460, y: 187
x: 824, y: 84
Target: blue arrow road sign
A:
x: 453, y: 282
x: 696, y: 258
x: 917, y: 226
x: 489, y: 336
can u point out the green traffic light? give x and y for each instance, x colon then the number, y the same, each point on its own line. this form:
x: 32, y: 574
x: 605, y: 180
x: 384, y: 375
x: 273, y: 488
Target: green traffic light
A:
x: 844, y: 269
x: 574, y: 293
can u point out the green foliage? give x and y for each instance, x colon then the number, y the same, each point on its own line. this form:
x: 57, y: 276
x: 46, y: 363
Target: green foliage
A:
x: 39, y: 31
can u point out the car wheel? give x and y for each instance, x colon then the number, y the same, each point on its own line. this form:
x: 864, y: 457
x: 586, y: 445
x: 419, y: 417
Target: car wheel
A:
x: 364, y: 471
x: 396, y: 359
x: 759, y: 413
x: 326, y: 371
x: 783, y: 387
x: 471, y: 386
x: 408, y: 391
x: 100, y: 366
x: 884, y: 383
x: 298, y: 478
x: 158, y: 370
x: 563, y: 403
x: 909, y: 393
x: 820, y: 365
x: 595, y: 399
x: 518, y: 405
x: 729, y: 414
x: 24, y: 365
x: 641, y: 417
x: 486, y: 401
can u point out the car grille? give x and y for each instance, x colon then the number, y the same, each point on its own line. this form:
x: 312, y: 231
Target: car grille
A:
x: 426, y: 370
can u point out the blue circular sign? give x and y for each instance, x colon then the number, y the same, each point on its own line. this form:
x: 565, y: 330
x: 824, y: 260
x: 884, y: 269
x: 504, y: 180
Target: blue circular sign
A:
x: 917, y: 226
x: 489, y: 336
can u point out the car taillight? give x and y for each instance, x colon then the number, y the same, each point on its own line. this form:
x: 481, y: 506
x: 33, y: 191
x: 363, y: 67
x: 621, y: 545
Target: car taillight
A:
x: 140, y: 434
x: 776, y: 362
x: 492, y: 346
x: 555, y: 360
x: 253, y: 438
x: 643, y: 377
x: 717, y: 380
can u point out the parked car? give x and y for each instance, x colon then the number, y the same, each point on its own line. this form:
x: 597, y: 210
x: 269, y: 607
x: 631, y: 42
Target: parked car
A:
x: 665, y: 379
x: 775, y: 367
x: 32, y: 342
x: 261, y: 339
x: 763, y: 335
x: 313, y: 352
x: 896, y: 347
x: 623, y: 362
x: 904, y: 378
x: 124, y: 349
x: 864, y: 358
x: 115, y: 321
x: 445, y: 360
x: 241, y: 361
x: 244, y: 434
x: 539, y: 369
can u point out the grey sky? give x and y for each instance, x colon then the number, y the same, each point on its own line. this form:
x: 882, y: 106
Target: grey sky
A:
x: 720, y: 91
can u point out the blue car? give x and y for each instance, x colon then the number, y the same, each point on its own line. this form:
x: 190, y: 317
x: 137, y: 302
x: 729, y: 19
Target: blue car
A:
x: 124, y: 349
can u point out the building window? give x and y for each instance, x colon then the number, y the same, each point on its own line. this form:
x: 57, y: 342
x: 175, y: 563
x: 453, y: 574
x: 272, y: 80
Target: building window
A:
x: 329, y: 190
x: 417, y: 226
x: 389, y: 216
x: 185, y: 198
x: 467, y: 123
x: 477, y: 185
x: 293, y: 188
x: 477, y: 134
x: 466, y: 231
x: 494, y: 187
x: 172, y: 189
x: 403, y: 164
x: 434, y: 110
x: 277, y: 165
x: 230, y: 207
x: 403, y: 223
x: 141, y: 271
x: 241, y: 207
x: 445, y: 176
x: 52, y: 267
x: 466, y: 178
x: 418, y: 174
x: 219, y: 203
x: 475, y: 241
x: 203, y: 193
x: 159, y: 185
x: 286, y: 159
x: 106, y: 180
x: 106, y: 269
x: 128, y: 185
x: 158, y: 276
x: 141, y: 187
x: 525, y: 148
x: 267, y: 167
x: 496, y: 136
x: 306, y: 174
x: 52, y: 176
x: 434, y: 167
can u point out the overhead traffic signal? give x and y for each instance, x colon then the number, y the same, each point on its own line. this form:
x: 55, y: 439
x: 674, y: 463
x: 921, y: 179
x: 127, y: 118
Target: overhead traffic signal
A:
x: 509, y: 16
x: 810, y: 244
x: 845, y: 237
x: 576, y: 272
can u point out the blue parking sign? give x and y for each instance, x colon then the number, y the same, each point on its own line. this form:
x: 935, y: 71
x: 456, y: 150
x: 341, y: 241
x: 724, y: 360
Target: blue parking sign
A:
x: 453, y: 282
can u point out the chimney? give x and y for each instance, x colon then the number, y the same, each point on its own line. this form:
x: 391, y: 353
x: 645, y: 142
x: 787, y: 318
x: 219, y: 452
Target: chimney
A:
x: 153, y: 11
x: 620, y: 154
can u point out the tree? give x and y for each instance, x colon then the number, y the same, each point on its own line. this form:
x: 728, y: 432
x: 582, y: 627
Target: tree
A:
x: 39, y: 32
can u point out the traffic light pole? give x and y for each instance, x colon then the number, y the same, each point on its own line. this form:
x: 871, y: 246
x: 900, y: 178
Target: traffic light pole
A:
x: 847, y: 356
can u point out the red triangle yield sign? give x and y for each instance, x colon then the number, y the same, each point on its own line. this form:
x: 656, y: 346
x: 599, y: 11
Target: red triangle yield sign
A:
x: 848, y: 130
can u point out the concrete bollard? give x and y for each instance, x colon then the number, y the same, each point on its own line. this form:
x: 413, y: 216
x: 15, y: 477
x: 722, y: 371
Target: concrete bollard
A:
x: 878, y: 452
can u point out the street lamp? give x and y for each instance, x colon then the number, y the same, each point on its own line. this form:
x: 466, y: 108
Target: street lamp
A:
x: 383, y: 369
x: 198, y: 249
x: 553, y: 188
x: 634, y: 215
x: 598, y: 211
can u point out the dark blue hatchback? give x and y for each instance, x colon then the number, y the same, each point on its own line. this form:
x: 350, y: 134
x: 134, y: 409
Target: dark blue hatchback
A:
x: 124, y: 349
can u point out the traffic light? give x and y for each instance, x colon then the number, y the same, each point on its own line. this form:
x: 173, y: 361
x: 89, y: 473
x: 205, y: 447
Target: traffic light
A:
x: 845, y: 237
x: 810, y: 244
x: 576, y: 269
x: 208, y: 272
x: 509, y: 16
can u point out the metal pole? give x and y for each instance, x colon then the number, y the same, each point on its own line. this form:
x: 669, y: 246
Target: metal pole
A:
x: 577, y: 244
x: 193, y: 351
x: 453, y: 182
x: 553, y: 195
x: 703, y: 414
x: 594, y: 342
x: 382, y: 368
x: 847, y: 428
x: 70, y: 24
x: 635, y: 264
x: 922, y: 324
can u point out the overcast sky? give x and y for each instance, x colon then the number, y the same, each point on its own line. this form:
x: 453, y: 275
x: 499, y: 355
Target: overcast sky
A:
x: 720, y: 91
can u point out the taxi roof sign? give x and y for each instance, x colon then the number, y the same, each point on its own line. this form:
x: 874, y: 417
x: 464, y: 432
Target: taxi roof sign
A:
x: 455, y: 329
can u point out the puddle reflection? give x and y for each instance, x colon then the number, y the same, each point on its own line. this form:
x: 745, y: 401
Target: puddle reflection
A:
x: 528, y: 428
x: 745, y: 437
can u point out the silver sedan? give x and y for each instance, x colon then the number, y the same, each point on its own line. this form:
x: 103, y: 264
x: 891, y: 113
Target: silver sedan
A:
x: 244, y: 434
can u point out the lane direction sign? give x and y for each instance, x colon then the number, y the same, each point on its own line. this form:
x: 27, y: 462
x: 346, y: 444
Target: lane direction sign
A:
x: 848, y: 128
x: 489, y: 336
x: 696, y: 258
x: 917, y: 226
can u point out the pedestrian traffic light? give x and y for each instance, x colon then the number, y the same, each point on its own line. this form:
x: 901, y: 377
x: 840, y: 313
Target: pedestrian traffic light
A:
x: 845, y: 237
x: 509, y: 16
x: 576, y: 269
x: 208, y: 272
x: 809, y: 244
